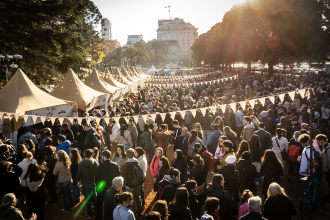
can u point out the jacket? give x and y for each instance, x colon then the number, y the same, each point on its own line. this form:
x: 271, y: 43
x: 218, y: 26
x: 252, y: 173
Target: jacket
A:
x: 159, y: 178
x: 265, y: 140
x: 188, y: 118
x: 280, y: 202
x: 51, y: 163
x: 247, y: 132
x: 133, y: 132
x: 123, y: 161
x: 10, y: 180
x: 252, y: 216
x: 127, y: 172
x: 26, y: 136
x: 144, y: 164
x: 161, y: 138
x: 11, y: 213
x: 86, y: 171
x: 243, y: 209
x: 223, y: 160
x: 197, y: 175
x: 124, y: 213
x: 24, y: 165
x: 239, y: 118
x: 179, y: 165
x: 75, y: 129
x: 326, y: 158
x: 194, y: 206
x: 181, y: 144
x: 147, y: 137
x: 74, y: 168
x: 66, y: 146
x: 154, y: 169
x: 206, y: 121
x: 272, y: 174
x: 62, y: 172
x: 141, y: 123
x: 190, y: 151
x: 232, y: 181
x: 68, y: 135
x: 168, y: 120
x: 176, y: 134
x: 109, y: 204
x: 216, y: 134
x: 269, y: 125
x: 169, y: 193
x: 247, y: 172
x: 227, y: 206
x: 124, y: 140
x: 106, y: 172
x: 177, y: 211
x: 89, y: 139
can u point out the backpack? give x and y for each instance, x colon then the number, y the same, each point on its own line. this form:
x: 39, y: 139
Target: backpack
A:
x: 7, y: 152
x: 137, y: 179
x: 160, y: 192
x: 96, y: 139
x: 318, y: 160
x: 212, y: 160
x: 142, y: 143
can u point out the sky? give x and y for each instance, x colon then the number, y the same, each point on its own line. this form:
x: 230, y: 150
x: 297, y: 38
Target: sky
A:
x: 140, y: 17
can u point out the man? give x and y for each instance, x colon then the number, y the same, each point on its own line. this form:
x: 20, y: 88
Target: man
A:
x: 144, y: 107
x: 150, y: 105
x: 206, y: 121
x: 130, y: 110
x: 248, y: 128
x: 322, y: 141
x: 228, y: 149
x: 182, y: 144
x: 239, y: 121
x: 89, y: 140
x: 255, y: 209
x: 269, y: 127
x: 63, y: 144
x: 66, y: 131
x: 77, y: 131
x: 104, y: 175
x: 213, y: 141
x: 86, y: 173
x: 293, y: 163
x: 132, y: 131
x: 305, y: 157
x: 127, y: 174
x: 194, y: 207
x: 265, y: 138
x: 28, y: 135
x: 177, y: 132
x: 295, y: 124
x: 114, y: 129
x: 9, y: 177
x: 8, y: 209
x: 7, y: 150
x: 117, y: 186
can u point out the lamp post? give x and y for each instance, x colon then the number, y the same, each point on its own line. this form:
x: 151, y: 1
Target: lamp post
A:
x: 5, y: 62
x: 89, y: 61
x: 202, y: 66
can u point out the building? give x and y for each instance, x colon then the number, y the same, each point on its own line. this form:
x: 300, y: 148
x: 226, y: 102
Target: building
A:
x: 177, y: 29
x: 106, y: 29
x: 173, y: 51
x: 132, y: 39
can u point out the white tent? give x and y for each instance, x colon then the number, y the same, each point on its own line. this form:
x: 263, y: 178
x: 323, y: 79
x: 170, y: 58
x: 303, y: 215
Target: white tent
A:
x: 152, y: 70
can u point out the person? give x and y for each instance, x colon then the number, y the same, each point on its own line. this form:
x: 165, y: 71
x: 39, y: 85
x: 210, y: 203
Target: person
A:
x: 120, y: 157
x: 322, y: 141
x: 9, y: 210
x: 21, y: 149
x: 123, y: 201
x: 95, y: 154
x: 35, y: 194
x: 247, y: 172
x: 9, y: 177
x: 133, y: 131
x: 91, y: 137
x: 86, y: 173
x: 117, y: 186
x: 154, y: 165
x: 161, y: 134
x: 228, y: 149
x: 205, y: 121
x: 265, y: 138
x: 284, y: 125
x: 243, y: 146
x: 153, y: 215
x: 231, y: 136
x: 177, y: 132
x: 295, y: 124
x: 140, y: 155
x: 24, y: 164
x: 169, y: 184
x: 75, y: 161
x: 212, y: 206
x: 191, y: 186
x: 178, y: 208
x: 46, y: 141
x: 50, y: 180
x: 216, y: 189
x: 123, y: 137
x: 164, y: 167
x: 244, y: 208
x: 192, y: 140
x: 127, y: 174
x: 278, y: 200
x: 178, y: 162
x: 255, y: 148
x: 255, y: 209
x: 213, y: 140
x: 104, y: 175
x: 197, y: 173
x: 113, y: 130
x: 248, y: 128
x: 271, y: 169
x: 198, y: 128
x: 268, y: 124
x: 280, y: 144
x: 294, y: 164
x: 62, y: 171
x: 239, y: 121
x: 182, y: 144
x: 77, y: 130
x: 304, y: 169
x: 67, y: 132
x: 160, y: 206
x: 30, y: 146
x: 63, y: 144
x: 146, y: 142
x: 27, y: 135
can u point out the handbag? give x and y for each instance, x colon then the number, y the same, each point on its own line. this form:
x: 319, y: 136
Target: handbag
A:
x: 284, y: 154
x: 118, y: 213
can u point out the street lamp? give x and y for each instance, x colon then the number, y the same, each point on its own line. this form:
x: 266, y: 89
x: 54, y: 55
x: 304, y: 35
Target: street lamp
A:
x: 89, y: 61
x: 5, y: 62
x: 202, y: 66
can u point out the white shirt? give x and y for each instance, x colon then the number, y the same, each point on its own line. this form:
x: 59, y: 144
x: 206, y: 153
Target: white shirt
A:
x: 24, y: 164
x: 304, y: 162
x: 283, y: 142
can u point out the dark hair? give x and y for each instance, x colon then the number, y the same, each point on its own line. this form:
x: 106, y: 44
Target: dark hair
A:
x: 181, y: 198
x: 261, y: 125
x: 35, y: 173
x: 247, y: 118
x: 30, y: 143
x: 243, y: 146
x: 270, y: 159
x: 48, y: 142
x: 2, y: 136
x: 283, y: 121
x: 270, y: 113
x: 47, y: 134
x: 61, y: 137
x: 88, y: 153
x: 21, y: 150
x: 303, y: 138
x: 120, y: 198
x: 122, y: 129
x: 193, y: 136
x: 4, y: 166
x: 153, y: 215
x: 145, y: 127
x: 65, y: 125
x: 95, y: 152
x: 123, y: 152
x: 279, y: 132
x: 140, y: 151
x: 254, y: 143
x: 217, y: 179
x: 175, y: 122
x: 321, y: 137
x: 173, y: 172
x: 106, y: 154
x: 165, y: 164
x: 161, y: 207
x: 246, y: 195
x: 228, y: 143
x: 75, y: 156
x: 212, y: 204
x: 190, y: 184
x: 179, y: 154
x: 216, y: 126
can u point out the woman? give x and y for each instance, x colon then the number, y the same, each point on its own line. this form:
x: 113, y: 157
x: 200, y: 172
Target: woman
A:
x: 21, y: 150
x: 100, y: 130
x: 170, y: 183
x: 154, y: 165
x: 50, y: 180
x: 255, y: 148
x: 95, y: 154
x: 178, y: 162
x: 219, y: 121
x: 232, y: 119
x: 243, y: 146
x: 192, y: 140
x: 35, y: 194
x: 280, y: 144
x: 270, y: 115
x: 304, y: 116
x: 178, y: 209
x: 249, y: 112
x: 30, y: 146
x: 159, y: 119
x: 271, y: 169
x: 120, y: 157
x: 75, y: 161
x: 161, y: 133
x: 164, y: 166
x: 140, y: 155
x: 247, y: 172
x: 161, y: 207
x: 123, y: 201
x: 278, y: 200
x: 179, y: 118
x: 24, y: 164
x: 199, y: 130
x: 123, y: 137
x: 231, y: 135
x: 283, y: 124
x: 146, y: 142
x: 197, y: 173
x: 244, y: 208
x: 62, y: 171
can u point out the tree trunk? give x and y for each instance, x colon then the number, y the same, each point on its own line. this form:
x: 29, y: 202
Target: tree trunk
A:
x: 271, y: 68
x: 230, y: 67
x: 249, y: 67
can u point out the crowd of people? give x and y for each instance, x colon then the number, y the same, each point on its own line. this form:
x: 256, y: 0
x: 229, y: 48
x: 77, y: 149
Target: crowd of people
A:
x: 220, y: 158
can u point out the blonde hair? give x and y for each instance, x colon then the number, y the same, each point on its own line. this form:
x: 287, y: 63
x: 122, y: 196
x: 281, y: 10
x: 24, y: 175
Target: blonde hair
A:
x: 275, y: 189
x: 64, y: 158
x: 159, y: 148
x: 29, y: 156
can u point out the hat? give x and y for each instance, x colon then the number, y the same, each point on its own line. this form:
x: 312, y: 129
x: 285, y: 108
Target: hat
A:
x: 197, y: 146
x: 279, y: 104
x: 230, y: 159
x: 49, y: 150
x: 213, y: 100
x: 296, y: 134
x: 294, y: 118
x: 263, y: 114
x: 246, y: 155
x: 87, y: 125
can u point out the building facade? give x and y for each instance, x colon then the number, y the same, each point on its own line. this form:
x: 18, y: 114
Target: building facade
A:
x: 106, y: 29
x: 180, y: 31
x: 132, y: 39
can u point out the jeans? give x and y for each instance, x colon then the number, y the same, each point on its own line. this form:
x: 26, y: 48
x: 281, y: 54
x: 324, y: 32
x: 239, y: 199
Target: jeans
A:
x: 66, y: 189
x: 88, y: 191
x: 136, y: 199
x: 99, y: 204
x: 50, y: 184
x: 142, y: 193
x: 76, y: 191
x: 150, y: 154
x: 127, y: 146
x: 206, y: 136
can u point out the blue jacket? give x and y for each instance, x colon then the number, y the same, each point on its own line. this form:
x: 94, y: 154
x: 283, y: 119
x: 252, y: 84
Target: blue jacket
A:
x: 66, y: 146
x: 239, y: 118
x: 215, y: 139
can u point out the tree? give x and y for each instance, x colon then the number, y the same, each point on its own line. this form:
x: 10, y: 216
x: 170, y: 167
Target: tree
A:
x: 135, y: 54
x: 156, y: 45
x: 49, y: 34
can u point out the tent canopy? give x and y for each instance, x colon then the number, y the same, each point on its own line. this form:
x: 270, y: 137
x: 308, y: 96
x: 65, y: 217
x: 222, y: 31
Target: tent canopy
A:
x: 127, y: 75
x: 108, y: 78
x: 152, y: 70
x: 120, y: 76
x: 20, y: 95
x: 95, y: 81
x: 73, y: 89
